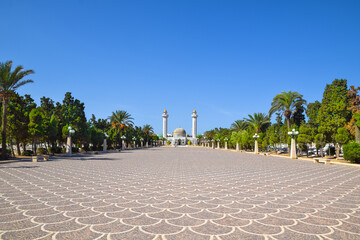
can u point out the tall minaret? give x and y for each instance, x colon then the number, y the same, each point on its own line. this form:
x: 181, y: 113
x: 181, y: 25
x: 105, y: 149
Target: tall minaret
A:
x: 194, y: 124
x: 165, y: 116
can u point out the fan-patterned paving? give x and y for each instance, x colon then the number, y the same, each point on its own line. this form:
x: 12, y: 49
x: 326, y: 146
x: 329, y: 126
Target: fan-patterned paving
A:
x: 178, y: 193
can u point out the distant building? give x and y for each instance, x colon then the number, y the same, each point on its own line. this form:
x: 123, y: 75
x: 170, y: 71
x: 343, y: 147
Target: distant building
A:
x: 179, y: 135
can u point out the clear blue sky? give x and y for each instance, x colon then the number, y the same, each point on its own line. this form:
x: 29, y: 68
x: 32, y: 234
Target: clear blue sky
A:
x: 227, y: 59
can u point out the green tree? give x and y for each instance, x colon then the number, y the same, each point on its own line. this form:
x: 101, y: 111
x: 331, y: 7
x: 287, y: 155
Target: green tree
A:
x: 121, y: 120
x: 342, y: 137
x: 18, y: 119
x: 258, y: 121
x: 287, y: 103
x: 312, y: 111
x: 353, y: 126
x: 148, y: 130
x: 9, y: 82
x: 36, y: 127
x: 320, y: 143
x: 305, y: 137
x: 238, y: 125
x: 334, y: 112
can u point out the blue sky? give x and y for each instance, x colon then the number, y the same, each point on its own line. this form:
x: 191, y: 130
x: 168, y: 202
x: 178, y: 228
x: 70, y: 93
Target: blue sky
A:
x: 226, y: 59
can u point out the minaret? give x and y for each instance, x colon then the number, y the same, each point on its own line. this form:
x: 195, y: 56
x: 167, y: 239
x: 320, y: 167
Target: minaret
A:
x: 165, y: 116
x: 194, y: 124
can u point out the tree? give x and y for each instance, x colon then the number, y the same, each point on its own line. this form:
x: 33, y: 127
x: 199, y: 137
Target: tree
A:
x: 148, y: 130
x: 305, y: 137
x: 298, y: 117
x: 36, y: 126
x: 258, y: 121
x: 121, y: 120
x: 353, y: 126
x: 312, y: 111
x: 320, y: 143
x: 287, y: 103
x: 238, y: 125
x: 18, y: 119
x: 9, y: 82
x: 342, y: 137
x: 334, y: 112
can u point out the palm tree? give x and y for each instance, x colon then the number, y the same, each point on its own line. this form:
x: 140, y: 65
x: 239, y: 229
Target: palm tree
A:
x: 121, y: 120
x: 258, y: 121
x: 148, y: 130
x: 239, y: 125
x: 287, y: 103
x: 9, y: 82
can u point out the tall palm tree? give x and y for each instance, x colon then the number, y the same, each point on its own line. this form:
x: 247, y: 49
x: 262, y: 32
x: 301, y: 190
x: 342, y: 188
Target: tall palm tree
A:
x: 148, y: 130
x: 258, y: 121
x: 287, y: 103
x: 121, y: 120
x: 239, y: 125
x: 9, y: 82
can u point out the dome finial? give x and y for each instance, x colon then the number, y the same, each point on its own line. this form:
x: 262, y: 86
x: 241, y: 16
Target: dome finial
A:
x: 165, y: 111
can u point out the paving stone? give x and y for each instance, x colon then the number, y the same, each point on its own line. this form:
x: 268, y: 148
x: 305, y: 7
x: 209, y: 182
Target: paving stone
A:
x: 178, y: 193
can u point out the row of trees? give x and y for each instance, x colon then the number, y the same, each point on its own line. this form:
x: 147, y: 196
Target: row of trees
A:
x: 336, y: 120
x: 25, y: 123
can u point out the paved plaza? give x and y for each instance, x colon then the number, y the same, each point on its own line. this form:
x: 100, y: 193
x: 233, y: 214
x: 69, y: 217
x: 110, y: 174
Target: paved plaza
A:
x: 178, y: 193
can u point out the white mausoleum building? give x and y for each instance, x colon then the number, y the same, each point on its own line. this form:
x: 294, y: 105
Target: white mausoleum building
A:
x: 178, y: 137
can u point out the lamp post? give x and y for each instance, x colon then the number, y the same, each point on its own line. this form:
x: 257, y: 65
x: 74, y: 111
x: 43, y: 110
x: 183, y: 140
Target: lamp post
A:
x: 212, y: 143
x: 218, y: 143
x: 226, y: 139
x: 123, y: 142
x: 142, y: 142
x: 104, y: 145
x: 134, y: 139
x: 293, y: 133
x: 205, y: 141
x: 256, y: 148
x: 69, y: 143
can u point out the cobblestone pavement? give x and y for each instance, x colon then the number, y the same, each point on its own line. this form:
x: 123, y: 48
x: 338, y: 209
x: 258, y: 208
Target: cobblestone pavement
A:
x: 178, y: 193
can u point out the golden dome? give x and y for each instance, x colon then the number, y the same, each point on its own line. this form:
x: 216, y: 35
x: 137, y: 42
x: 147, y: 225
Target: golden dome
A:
x: 165, y: 111
x: 179, y: 131
x: 194, y: 111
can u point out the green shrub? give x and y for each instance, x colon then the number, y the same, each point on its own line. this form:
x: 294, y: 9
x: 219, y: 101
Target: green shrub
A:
x: 27, y: 153
x: 8, y: 152
x: 167, y: 142
x: 189, y: 142
x: 41, y: 151
x: 352, y: 152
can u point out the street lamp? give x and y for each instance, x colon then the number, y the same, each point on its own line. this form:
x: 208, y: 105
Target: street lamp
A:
x: 256, y: 148
x: 123, y: 142
x: 134, y: 139
x: 69, y: 142
x: 226, y: 140
x: 293, y: 133
x: 104, y: 145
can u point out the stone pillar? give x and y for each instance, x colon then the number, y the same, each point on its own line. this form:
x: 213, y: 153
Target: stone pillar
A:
x: 218, y: 145
x: 226, y: 146
x: 293, y: 149
x: 104, y: 146
x: 165, y: 116
x: 147, y: 144
x: 122, y: 145
x: 134, y: 144
x: 213, y: 144
x: 68, y: 147
x: 256, y: 148
x: 142, y: 144
x: 194, y: 124
x: 237, y: 147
